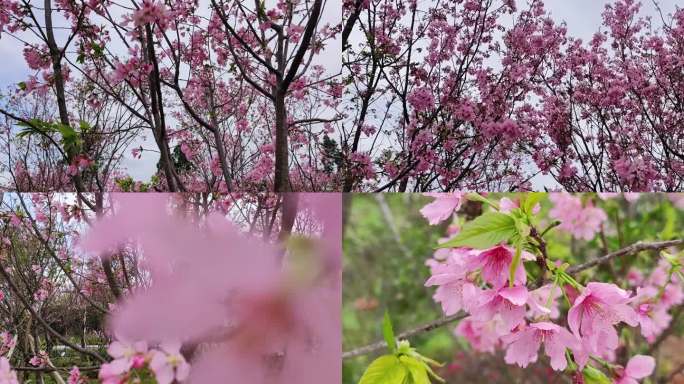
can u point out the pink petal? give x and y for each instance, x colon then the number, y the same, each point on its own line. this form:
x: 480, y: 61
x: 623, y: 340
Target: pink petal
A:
x: 523, y: 349
x: 640, y: 366
x: 516, y: 295
x: 626, y: 314
x: 442, y: 208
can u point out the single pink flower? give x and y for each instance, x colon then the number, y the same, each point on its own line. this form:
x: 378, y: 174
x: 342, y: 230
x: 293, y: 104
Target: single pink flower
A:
x: 496, y: 263
x: 454, y: 292
x: 442, y: 207
x: 542, y: 301
x: 651, y: 314
x: 168, y: 364
x: 524, y: 345
x: 638, y: 367
x: 594, y: 313
x: 74, y: 376
x: 508, y: 303
x: 126, y: 356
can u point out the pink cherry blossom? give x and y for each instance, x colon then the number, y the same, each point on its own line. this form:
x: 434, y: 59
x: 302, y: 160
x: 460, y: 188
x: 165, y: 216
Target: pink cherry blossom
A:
x: 168, y: 364
x: 594, y: 313
x: 75, y: 376
x: 638, y: 367
x: 495, y: 264
x: 524, y: 344
x: 421, y: 99
x: 442, y: 207
x: 652, y: 315
x: 482, y: 335
x: 39, y: 360
x: 543, y: 301
x: 583, y: 221
x: 507, y: 303
x: 455, y: 292
x: 126, y: 355
x: 151, y: 12
x: 7, y: 342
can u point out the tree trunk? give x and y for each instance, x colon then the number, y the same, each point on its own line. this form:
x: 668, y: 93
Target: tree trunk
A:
x: 281, y: 178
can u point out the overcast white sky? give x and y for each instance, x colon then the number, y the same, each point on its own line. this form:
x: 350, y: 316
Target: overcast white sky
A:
x: 583, y: 19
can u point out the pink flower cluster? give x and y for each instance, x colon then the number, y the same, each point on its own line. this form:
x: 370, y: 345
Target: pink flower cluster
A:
x: 504, y: 314
x: 583, y: 221
x: 7, y: 342
x: 152, y: 12
x: 166, y: 362
x: 655, y: 296
x: 421, y: 99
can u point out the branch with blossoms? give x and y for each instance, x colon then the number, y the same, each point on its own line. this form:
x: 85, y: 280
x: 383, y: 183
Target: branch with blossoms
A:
x: 447, y: 87
x: 510, y: 292
x: 446, y: 320
x: 232, y: 95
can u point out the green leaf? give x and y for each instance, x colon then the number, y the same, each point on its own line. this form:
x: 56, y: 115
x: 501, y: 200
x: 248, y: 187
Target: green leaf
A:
x: 98, y: 50
x: 484, y: 232
x: 388, y: 333
x: 84, y: 126
x: 31, y: 127
x: 416, y: 368
x: 21, y: 85
x: 385, y: 369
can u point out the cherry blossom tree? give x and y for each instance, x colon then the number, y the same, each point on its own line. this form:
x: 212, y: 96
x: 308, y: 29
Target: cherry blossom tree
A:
x: 234, y: 96
x: 487, y: 95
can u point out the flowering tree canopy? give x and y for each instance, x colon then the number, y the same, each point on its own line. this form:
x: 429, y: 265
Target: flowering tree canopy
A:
x: 488, y: 95
x: 419, y: 96
x: 235, y: 96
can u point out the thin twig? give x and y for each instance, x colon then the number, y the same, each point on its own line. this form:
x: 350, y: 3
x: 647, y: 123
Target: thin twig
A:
x: 404, y: 335
x: 629, y: 250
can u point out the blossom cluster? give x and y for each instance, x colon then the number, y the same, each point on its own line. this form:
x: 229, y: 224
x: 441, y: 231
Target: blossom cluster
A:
x: 506, y: 311
x: 166, y: 362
